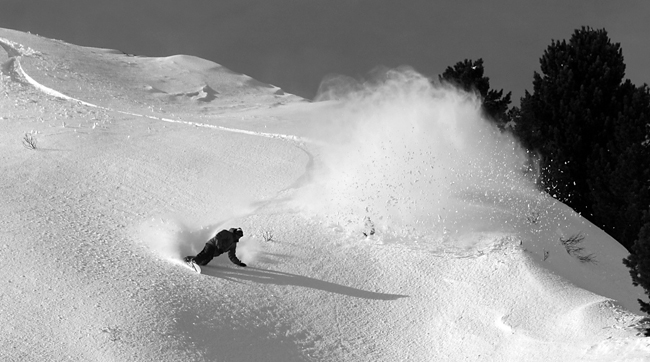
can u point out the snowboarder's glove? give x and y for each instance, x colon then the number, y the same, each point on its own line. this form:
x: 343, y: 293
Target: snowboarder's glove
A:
x: 242, y: 264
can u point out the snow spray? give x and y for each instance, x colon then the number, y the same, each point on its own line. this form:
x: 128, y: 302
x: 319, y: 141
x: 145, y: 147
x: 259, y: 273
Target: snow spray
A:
x: 248, y: 249
x: 407, y: 154
x: 171, y: 238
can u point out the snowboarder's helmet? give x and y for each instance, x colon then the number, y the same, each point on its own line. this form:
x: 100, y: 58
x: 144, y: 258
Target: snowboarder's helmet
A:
x: 237, y: 232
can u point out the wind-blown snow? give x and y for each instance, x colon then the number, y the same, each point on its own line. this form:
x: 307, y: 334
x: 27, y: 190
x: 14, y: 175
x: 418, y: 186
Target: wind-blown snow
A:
x: 131, y: 174
x: 403, y: 151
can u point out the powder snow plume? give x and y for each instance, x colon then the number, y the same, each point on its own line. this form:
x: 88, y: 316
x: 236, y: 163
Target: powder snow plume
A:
x: 407, y: 154
x: 171, y: 238
x: 248, y: 249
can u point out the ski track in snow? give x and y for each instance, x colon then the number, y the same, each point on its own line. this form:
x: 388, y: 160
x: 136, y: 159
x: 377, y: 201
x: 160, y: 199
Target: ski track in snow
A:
x: 16, y: 51
x: 269, y: 332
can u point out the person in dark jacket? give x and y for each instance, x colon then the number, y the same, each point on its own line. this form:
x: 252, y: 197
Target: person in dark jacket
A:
x: 224, y: 241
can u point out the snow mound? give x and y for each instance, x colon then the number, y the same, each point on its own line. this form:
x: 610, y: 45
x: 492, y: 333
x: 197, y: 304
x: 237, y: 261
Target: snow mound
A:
x: 203, y: 94
x: 152, y: 89
x: 193, y: 63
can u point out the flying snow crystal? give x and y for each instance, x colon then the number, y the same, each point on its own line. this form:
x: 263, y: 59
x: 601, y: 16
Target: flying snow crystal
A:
x: 171, y: 238
x: 405, y: 153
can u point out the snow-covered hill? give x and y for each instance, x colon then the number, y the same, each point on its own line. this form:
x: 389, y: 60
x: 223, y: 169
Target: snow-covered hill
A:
x: 139, y: 161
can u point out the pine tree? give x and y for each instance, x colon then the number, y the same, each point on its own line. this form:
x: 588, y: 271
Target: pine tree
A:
x: 639, y: 262
x: 572, y: 111
x: 468, y: 76
x: 620, y: 169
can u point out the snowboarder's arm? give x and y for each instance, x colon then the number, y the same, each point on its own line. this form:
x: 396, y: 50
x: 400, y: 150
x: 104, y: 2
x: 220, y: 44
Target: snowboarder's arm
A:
x: 233, y: 257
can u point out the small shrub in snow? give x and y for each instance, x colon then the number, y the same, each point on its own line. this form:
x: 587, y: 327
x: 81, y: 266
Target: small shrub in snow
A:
x: 267, y: 235
x: 113, y: 333
x: 29, y: 141
x: 534, y: 217
x: 368, y: 227
x: 589, y: 258
x: 643, y: 326
x: 546, y: 253
x: 572, y: 244
x: 573, y: 248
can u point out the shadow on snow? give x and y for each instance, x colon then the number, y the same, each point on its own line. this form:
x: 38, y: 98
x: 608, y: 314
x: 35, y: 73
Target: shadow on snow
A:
x: 264, y: 276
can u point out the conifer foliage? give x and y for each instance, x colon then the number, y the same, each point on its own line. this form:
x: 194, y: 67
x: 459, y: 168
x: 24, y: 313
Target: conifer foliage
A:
x: 591, y: 131
x: 620, y: 173
x: 588, y: 127
x: 639, y: 262
x: 468, y: 76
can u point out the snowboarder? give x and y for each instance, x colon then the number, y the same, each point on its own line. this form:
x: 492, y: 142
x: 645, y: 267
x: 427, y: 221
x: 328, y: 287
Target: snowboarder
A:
x: 224, y: 241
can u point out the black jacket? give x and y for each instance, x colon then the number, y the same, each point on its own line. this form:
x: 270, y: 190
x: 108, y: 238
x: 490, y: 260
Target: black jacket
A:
x: 226, y: 241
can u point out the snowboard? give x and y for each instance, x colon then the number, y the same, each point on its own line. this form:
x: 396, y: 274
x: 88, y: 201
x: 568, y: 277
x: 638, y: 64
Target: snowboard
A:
x: 193, y: 266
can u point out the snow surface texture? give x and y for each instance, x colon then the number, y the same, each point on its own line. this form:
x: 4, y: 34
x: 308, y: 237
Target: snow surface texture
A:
x: 140, y: 160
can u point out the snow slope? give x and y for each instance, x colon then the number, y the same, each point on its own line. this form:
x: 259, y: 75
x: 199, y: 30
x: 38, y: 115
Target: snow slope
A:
x: 140, y: 160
